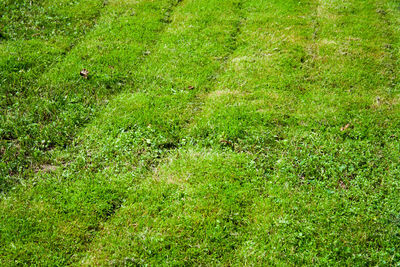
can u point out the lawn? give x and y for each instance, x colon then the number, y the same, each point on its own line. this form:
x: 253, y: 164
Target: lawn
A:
x: 206, y: 132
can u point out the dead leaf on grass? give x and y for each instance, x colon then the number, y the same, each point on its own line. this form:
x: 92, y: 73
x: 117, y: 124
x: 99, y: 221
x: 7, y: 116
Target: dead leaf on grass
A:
x: 344, y: 128
x: 84, y: 73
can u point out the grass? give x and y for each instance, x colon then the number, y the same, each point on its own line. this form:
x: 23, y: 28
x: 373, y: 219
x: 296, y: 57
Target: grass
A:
x: 207, y: 133
x: 46, y: 109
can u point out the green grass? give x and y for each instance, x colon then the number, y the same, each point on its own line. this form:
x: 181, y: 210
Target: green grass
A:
x: 208, y: 133
x: 46, y: 102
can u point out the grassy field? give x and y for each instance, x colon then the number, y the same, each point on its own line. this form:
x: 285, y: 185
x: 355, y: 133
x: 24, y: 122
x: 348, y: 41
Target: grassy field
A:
x: 207, y: 132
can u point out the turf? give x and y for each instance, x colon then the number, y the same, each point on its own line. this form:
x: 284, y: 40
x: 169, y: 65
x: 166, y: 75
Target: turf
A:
x: 210, y: 132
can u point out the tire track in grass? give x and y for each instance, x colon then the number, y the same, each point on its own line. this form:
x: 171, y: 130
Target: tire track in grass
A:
x: 130, y: 136
x: 61, y: 101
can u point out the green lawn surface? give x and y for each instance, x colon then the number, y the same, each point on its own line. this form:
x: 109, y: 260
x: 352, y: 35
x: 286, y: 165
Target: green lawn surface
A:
x: 207, y: 132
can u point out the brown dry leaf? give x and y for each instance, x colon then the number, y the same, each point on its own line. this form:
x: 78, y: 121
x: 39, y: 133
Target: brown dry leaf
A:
x: 190, y: 87
x: 342, y: 185
x: 84, y: 73
x: 345, y: 127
